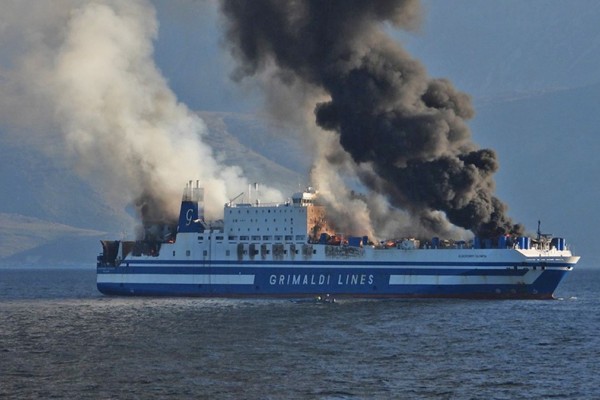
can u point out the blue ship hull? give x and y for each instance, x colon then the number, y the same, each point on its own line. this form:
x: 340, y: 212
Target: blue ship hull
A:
x: 263, y: 282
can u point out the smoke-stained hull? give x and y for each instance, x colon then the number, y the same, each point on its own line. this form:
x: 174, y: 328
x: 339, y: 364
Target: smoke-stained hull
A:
x: 284, y: 260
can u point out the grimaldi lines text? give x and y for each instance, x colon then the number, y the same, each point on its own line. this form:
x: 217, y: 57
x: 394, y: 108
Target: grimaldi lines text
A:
x: 321, y: 279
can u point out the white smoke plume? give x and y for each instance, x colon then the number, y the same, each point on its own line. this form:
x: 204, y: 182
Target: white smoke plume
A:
x: 86, y: 68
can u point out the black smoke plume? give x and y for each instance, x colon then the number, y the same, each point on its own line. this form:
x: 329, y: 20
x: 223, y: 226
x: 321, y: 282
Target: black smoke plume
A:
x: 388, y: 113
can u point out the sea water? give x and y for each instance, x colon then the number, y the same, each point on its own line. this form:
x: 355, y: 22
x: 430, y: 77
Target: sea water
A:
x: 60, y: 338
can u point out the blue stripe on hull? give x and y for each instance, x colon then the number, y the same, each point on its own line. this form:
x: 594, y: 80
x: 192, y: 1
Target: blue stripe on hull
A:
x: 361, y: 263
x: 278, y: 270
x: 370, y: 283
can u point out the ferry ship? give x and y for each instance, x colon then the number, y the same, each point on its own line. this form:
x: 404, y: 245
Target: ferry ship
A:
x: 288, y: 250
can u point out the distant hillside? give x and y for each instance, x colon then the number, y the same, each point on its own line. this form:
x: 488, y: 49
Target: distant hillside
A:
x: 36, y: 185
x: 267, y: 152
x: 29, y: 240
x: 48, y: 215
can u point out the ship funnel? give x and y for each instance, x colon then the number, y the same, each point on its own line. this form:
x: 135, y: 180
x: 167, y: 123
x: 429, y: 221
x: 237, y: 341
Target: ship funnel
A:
x: 191, y: 213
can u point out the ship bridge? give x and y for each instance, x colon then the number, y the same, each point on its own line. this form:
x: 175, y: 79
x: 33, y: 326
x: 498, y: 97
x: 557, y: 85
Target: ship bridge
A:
x: 305, y: 198
x: 299, y: 220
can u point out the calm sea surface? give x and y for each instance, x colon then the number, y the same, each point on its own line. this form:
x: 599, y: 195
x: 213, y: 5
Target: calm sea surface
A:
x: 59, y: 338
